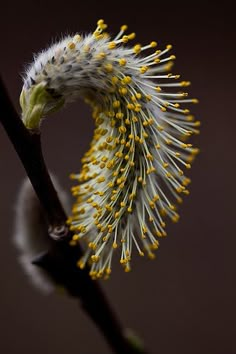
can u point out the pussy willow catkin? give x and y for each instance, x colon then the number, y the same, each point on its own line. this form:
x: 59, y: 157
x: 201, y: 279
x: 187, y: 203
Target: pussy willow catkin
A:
x: 131, y: 176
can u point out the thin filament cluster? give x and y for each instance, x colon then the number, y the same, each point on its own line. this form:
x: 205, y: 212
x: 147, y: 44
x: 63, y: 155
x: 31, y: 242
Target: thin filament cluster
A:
x: 132, y: 176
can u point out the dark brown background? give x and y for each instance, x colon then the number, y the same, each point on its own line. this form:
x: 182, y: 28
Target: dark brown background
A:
x: 184, y: 301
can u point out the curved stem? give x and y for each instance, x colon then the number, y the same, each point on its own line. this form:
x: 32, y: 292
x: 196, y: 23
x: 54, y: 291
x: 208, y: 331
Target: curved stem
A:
x: 60, y: 260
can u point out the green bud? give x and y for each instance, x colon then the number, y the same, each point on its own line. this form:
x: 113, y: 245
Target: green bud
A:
x: 36, y: 103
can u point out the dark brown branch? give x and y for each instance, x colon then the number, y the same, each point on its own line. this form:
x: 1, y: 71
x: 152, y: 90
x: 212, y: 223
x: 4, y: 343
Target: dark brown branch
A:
x: 60, y: 260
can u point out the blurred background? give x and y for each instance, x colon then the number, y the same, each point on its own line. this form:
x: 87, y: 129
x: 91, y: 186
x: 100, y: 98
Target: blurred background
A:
x: 184, y: 301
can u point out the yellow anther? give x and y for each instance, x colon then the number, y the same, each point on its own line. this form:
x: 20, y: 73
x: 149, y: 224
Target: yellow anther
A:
x: 114, y: 80
x: 144, y: 229
x: 108, y: 67
x: 131, y: 35
x: 77, y: 38
x: 149, y: 157
x: 138, y: 107
x: 185, y: 83
x: 154, y: 246
x: 140, y: 179
x: 151, y: 255
x: 195, y: 151
x: 92, y: 245
x: 125, y: 39
x: 126, y: 80
x: 110, y: 164
x: 179, y: 200
x: 169, y: 46
x: 119, y: 115
x: 122, y: 61
x: 183, y: 145
x: 172, y: 57
x: 186, y: 192
x: 101, y: 179
x: 124, y: 28
x: 158, y: 233
x: 71, y: 45
x: 119, y: 154
x: 175, y: 218
x: 95, y: 258
x: 137, y: 48
x: 111, y: 45
x: 86, y: 48
x: 110, y: 228
x: 127, y: 269
x: 130, y: 106
x: 108, y: 271
x: 80, y: 264
x: 123, y: 90
x: 116, y: 104
x: 129, y: 209
x: 72, y: 176
x: 152, y: 205
x: 108, y: 207
x: 157, y: 60
x: 156, y: 198
x: 122, y: 129
x: 143, y: 69
x: 160, y: 128
x: 153, y: 44
x: 75, y: 237
x: 100, y: 22
x: 101, y: 55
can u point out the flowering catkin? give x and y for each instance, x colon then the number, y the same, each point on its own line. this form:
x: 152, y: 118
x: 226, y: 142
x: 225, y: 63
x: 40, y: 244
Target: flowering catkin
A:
x: 132, y: 175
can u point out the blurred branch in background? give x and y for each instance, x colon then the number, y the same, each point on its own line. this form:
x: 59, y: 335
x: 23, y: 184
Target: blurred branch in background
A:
x: 60, y: 260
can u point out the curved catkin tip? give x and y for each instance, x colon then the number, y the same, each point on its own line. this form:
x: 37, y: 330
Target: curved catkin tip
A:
x: 30, y: 232
x: 133, y: 175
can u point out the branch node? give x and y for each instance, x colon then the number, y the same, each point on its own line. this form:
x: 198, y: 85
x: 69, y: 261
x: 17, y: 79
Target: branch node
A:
x: 58, y: 232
